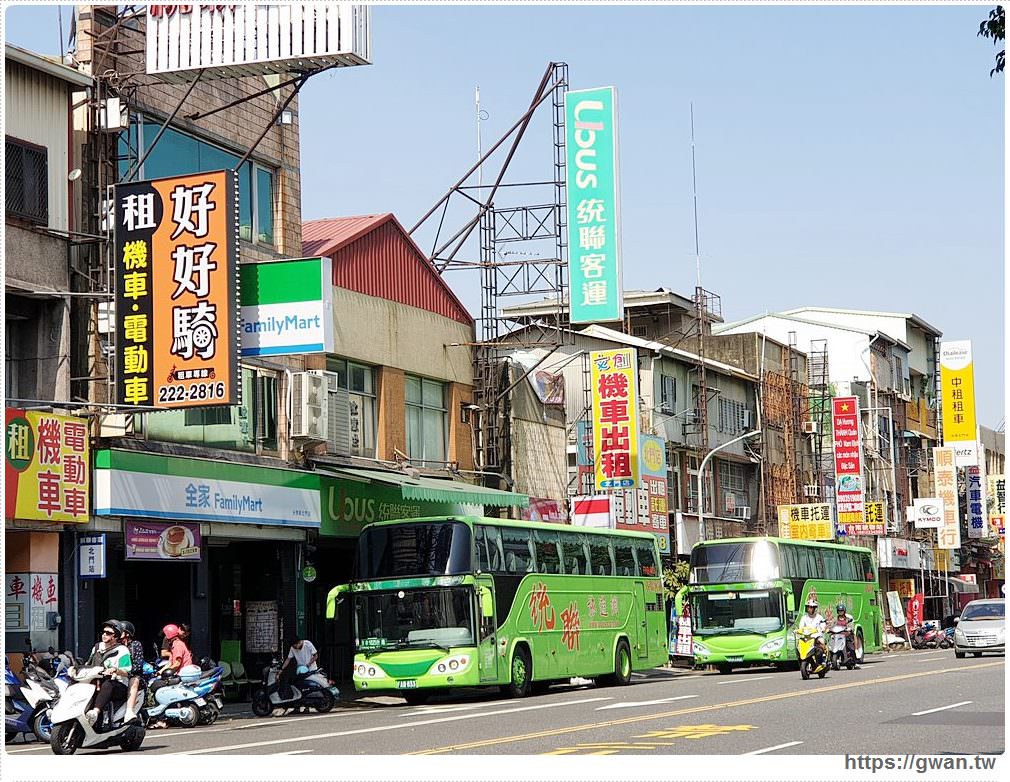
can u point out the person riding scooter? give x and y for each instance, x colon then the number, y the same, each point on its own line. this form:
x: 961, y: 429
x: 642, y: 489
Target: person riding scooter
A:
x: 137, y: 668
x: 842, y: 618
x: 814, y: 621
x: 110, y: 654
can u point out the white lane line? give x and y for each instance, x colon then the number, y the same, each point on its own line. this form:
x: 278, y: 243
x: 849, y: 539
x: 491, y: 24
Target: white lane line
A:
x: 632, y: 704
x: 772, y: 749
x: 940, y: 708
x: 292, y: 752
x: 929, y: 659
x: 380, y: 728
x: 745, y: 681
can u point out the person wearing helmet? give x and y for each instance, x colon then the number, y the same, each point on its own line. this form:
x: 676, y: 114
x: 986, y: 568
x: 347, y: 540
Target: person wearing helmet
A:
x: 179, y: 655
x: 114, y: 658
x: 136, y: 671
x: 842, y: 618
x: 812, y: 619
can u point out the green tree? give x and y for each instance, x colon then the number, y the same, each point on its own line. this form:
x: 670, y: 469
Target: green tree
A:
x: 675, y: 577
x: 993, y: 28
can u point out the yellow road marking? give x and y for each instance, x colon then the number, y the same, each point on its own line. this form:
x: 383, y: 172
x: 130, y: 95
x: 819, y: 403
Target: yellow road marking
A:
x: 693, y: 710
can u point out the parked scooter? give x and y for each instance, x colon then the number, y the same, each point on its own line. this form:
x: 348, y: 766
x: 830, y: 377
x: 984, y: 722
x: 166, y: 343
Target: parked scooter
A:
x: 27, y: 700
x: 926, y: 636
x: 188, y: 699
x: 813, y: 659
x: 309, y: 688
x: 72, y: 730
x: 837, y: 648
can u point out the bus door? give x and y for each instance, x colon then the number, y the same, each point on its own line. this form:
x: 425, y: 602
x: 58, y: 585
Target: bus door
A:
x: 642, y: 634
x: 487, y: 651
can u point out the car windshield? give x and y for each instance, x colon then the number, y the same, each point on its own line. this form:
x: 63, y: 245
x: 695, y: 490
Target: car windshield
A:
x: 418, y: 618
x: 976, y: 612
x: 726, y: 613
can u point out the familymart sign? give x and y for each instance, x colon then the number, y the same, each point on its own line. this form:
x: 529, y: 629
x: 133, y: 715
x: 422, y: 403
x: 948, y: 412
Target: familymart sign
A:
x: 287, y: 307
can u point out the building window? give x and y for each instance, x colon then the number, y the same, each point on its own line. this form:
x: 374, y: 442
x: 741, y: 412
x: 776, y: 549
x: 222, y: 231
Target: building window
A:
x: 733, y: 486
x: 178, y: 153
x: 692, y: 486
x: 426, y: 419
x: 12, y: 343
x: 734, y: 417
x: 359, y: 382
x: 668, y: 394
x: 26, y: 177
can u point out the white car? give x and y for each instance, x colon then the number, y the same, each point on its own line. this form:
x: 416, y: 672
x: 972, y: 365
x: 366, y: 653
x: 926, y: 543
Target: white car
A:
x: 981, y: 628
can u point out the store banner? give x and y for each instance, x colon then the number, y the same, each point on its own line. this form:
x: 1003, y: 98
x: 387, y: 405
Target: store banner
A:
x: 848, y: 451
x: 178, y: 542
x: 47, y: 466
x: 654, y: 482
x: 996, y: 486
x: 957, y: 394
x: 177, y: 318
x: 151, y: 486
x: 914, y: 609
x: 997, y: 525
x: 615, y: 417
x: 91, y: 556
x: 978, y: 524
x: 894, y: 608
x: 945, y: 479
x: 541, y: 509
x: 876, y: 520
x: 927, y: 513
x: 905, y: 587
x: 810, y: 521
x: 347, y: 506
x: 16, y: 602
x: 594, y: 218
x: 287, y: 307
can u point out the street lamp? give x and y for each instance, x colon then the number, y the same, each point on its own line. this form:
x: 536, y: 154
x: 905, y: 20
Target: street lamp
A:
x: 701, y: 475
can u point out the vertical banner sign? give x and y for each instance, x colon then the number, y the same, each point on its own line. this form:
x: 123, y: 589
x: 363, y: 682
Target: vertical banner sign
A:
x: 977, y: 521
x: 615, y: 417
x: 945, y: 475
x: 47, y: 466
x: 177, y: 316
x: 996, y: 503
x: 593, y: 191
x: 957, y: 383
x: 654, y: 484
x: 848, y: 448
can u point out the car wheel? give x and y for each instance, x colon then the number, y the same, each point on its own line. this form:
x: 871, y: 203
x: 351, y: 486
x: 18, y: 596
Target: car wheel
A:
x: 976, y: 654
x: 958, y: 655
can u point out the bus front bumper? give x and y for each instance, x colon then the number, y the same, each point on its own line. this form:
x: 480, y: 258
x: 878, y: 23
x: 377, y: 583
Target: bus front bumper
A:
x: 391, y: 673
x: 771, y: 651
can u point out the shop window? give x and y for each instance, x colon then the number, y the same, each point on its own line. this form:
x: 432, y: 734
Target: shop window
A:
x: 426, y: 420
x: 179, y: 153
x: 26, y: 178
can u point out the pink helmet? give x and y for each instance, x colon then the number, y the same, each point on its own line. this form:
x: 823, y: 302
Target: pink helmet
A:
x: 170, y: 631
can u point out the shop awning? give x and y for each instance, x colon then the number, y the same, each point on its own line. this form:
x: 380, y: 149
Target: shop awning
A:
x: 960, y: 585
x: 424, y: 489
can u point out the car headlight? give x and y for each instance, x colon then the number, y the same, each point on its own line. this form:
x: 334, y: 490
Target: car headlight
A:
x: 450, y: 665
x: 772, y: 646
x: 368, y: 670
x: 699, y: 649
x: 959, y: 635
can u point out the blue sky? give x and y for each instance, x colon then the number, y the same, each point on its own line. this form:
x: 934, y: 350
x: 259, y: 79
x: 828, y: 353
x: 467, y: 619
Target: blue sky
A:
x: 847, y: 156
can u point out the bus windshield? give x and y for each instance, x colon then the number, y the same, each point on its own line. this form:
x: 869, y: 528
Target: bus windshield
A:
x: 440, y: 548
x: 750, y: 611
x: 419, y: 618
x: 723, y: 563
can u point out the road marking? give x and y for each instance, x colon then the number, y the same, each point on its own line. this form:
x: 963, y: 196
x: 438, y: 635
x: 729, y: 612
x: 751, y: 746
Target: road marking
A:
x: 745, y: 681
x: 640, y: 675
x: 940, y: 708
x: 693, y: 710
x: 380, y: 728
x: 928, y: 659
x: 772, y: 749
x: 633, y: 704
x: 293, y: 752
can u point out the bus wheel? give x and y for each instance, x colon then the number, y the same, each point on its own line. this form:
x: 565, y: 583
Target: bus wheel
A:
x: 622, y: 667
x: 522, y: 673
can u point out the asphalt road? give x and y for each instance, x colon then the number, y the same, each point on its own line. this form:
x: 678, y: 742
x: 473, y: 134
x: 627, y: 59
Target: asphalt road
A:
x: 912, y: 702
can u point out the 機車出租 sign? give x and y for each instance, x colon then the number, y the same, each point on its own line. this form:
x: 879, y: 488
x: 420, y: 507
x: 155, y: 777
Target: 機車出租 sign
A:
x: 615, y: 417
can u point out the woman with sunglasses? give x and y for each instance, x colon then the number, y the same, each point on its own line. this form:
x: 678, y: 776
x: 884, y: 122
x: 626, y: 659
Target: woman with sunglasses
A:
x: 111, y: 655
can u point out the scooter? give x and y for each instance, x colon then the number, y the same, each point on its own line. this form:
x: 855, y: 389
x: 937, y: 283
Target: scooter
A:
x: 72, y: 730
x: 188, y: 699
x: 27, y: 702
x: 837, y: 651
x: 812, y: 656
x: 310, y: 688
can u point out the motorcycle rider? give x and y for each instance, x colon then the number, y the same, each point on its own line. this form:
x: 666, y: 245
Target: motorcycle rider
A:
x: 128, y: 639
x: 111, y: 655
x: 813, y: 620
x: 302, y: 652
x: 842, y: 618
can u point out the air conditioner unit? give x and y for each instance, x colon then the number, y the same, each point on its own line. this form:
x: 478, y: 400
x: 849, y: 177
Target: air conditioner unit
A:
x: 809, y: 427
x: 309, y: 407
x: 741, y: 512
x: 811, y: 490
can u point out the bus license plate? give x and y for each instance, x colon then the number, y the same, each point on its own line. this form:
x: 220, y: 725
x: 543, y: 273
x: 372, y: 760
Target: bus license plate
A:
x: 407, y: 684
x: 734, y: 659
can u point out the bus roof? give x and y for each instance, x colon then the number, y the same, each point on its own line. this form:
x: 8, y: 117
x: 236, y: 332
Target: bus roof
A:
x: 794, y: 541
x: 544, y: 525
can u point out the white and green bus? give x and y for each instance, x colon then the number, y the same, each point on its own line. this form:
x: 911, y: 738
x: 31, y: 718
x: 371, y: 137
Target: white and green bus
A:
x: 447, y: 602
x: 746, y: 594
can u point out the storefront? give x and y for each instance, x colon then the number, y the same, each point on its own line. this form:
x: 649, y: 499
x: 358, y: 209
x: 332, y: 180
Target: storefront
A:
x: 218, y: 545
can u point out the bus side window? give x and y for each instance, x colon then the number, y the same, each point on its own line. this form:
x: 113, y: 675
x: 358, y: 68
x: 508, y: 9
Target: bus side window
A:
x: 850, y: 566
x: 808, y: 563
x: 867, y: 567
x: 831, y: 564
x: 548, y: 559
x: 599, y: 556
x: 483, y: 563
x: 493, y: 539
x: 624, y: 558
x: 516, y: 547
x: 646, y: 558
x: 574, y: 550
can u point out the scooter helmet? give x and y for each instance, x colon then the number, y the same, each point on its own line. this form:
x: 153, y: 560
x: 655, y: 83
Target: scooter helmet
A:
x: 840, y: 608
x: 129, y: 629
x: 170, y: 631
x: 811, y: 603
x: 114, y: 625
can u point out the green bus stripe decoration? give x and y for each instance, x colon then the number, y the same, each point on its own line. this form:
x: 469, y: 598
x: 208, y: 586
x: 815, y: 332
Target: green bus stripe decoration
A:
x: 155, y: 464
x: 282, y: 282
x: 593, y: 209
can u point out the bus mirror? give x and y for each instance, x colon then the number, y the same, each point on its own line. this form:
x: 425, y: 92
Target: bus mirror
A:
x: 790, y: 602
x: 335, y: 596
x: 486, y: 603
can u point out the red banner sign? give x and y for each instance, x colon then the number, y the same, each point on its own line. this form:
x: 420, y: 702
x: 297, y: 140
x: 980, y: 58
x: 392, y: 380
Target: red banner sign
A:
x: 848, y: 460
x: 913, y: 610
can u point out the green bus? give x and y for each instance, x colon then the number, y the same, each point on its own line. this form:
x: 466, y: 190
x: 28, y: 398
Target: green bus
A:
x: 458, y: 601
x: 745, y: 595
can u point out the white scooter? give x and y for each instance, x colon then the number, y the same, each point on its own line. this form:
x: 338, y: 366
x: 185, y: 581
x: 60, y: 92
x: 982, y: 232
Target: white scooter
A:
x: 836, y: 648
x: 72, y: 730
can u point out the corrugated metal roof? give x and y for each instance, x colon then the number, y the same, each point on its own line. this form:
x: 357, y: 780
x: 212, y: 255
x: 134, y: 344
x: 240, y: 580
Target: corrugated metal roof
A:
x: 374, y: 255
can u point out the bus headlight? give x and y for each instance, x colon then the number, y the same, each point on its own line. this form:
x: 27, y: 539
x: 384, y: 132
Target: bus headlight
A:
x: 772, y: 646
x: 368, y: 671
x: 455, y: 664
x: 699, y: 649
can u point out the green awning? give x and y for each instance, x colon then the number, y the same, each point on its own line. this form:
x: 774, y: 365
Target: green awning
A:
x: 425, y: 489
